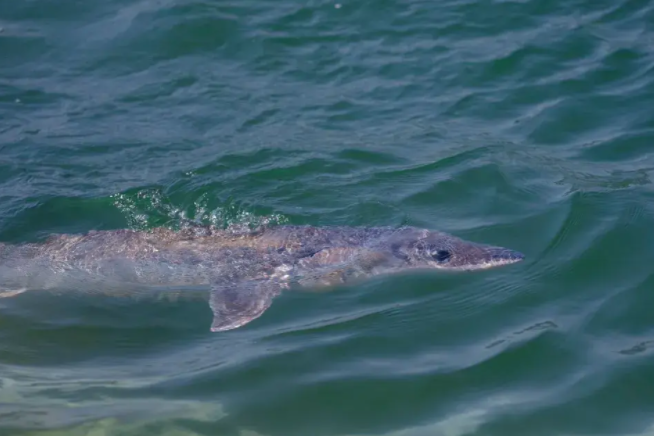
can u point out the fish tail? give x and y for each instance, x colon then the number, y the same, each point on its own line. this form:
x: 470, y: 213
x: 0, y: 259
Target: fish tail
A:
x: 5, y: 293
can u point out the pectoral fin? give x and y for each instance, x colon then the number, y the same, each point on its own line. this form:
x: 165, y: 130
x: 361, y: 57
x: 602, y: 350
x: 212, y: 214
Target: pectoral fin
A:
x: 236, y: 304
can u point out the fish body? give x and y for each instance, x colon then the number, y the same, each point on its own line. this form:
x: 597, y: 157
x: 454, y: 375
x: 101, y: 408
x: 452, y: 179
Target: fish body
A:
x: 243, y: 269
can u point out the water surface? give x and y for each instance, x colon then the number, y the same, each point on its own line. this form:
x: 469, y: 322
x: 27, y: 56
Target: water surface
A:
x: 526, y: 124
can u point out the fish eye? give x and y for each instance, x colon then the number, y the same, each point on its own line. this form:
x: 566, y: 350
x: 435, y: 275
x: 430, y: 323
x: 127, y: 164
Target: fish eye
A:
x: 441, y: 255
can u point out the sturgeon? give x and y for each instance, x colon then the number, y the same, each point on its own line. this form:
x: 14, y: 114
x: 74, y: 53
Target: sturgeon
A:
x: 241, y: 269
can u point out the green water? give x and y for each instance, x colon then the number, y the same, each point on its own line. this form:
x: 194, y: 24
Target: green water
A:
x: 527, y: 124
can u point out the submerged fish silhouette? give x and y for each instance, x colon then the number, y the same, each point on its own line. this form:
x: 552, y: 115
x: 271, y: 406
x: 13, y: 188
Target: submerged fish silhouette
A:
x: 245, y: 269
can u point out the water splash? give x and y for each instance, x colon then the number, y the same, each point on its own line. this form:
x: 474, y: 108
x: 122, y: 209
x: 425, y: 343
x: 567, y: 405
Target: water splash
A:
x: 151, y: 207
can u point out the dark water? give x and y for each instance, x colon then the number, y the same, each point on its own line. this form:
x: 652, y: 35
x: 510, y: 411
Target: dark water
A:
x: 527, y: 124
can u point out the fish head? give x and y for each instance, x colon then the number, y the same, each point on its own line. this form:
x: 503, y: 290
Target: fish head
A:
x: 430, y: 249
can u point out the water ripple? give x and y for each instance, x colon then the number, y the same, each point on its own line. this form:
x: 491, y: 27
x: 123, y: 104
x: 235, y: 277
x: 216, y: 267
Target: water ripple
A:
x: 523, y: 124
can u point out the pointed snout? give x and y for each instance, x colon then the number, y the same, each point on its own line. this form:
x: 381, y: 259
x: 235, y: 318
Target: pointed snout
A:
x: 505, y: 255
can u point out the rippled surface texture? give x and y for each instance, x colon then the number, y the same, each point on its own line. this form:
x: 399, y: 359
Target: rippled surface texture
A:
x: 526, y: 124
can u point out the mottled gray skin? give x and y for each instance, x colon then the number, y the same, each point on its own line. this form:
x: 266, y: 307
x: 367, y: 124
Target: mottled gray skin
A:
x: 244, y: 269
